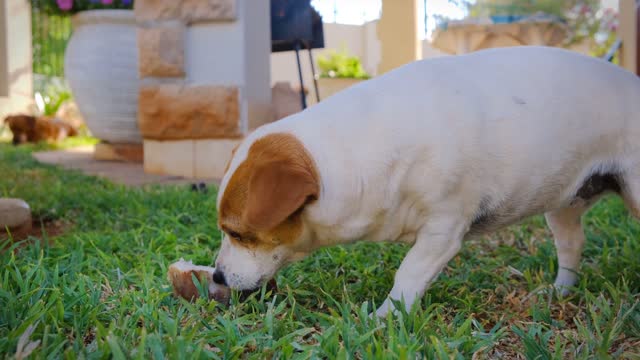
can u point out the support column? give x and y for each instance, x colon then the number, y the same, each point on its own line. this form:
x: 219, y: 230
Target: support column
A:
x: 4, y: 71
x: 16, y: 76
x: 629, y: 34
x: 398, y: 34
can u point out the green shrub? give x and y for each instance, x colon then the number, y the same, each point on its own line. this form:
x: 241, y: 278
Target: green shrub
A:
x: 52, y: 103
x: 339, y: 64
x: 51, y: 93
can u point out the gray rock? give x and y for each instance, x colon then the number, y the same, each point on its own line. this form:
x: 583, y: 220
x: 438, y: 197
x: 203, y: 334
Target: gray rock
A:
x: 14, y: 213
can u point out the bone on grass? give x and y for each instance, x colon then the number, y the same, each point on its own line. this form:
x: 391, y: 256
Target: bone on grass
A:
x: 180, y: 275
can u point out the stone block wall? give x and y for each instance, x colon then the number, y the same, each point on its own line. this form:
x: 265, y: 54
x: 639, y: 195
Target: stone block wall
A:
x: 205, y: 72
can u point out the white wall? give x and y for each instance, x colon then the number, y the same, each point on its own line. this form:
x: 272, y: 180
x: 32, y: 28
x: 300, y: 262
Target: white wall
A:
x: 358, y: 40
x: 372, y: 50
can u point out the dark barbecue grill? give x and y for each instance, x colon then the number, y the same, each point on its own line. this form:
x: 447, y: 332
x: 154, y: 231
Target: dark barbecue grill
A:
x: 296, y: 25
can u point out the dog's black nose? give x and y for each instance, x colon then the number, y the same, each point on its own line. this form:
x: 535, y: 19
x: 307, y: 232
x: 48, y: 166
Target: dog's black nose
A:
x: 218, y: 278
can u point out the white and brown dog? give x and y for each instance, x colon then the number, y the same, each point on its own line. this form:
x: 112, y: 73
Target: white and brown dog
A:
x: 430, y: 154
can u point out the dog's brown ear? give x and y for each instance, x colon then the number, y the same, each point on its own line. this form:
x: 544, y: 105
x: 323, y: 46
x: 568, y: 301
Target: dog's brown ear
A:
x: 277, y: 189
x: 233, y: 153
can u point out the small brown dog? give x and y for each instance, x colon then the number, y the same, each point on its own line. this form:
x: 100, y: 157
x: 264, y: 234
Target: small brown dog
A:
x: 28, y: 128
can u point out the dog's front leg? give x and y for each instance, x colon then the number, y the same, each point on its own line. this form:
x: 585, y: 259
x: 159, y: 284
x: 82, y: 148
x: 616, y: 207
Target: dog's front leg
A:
x: 437, y: 243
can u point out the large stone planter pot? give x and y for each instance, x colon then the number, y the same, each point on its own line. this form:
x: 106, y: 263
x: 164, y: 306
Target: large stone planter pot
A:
x: 330, y: 86
x: 101, y: 66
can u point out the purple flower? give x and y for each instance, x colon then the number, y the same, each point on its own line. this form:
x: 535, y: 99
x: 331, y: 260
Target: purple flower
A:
x: 126, y: 2
x: 65, y: 5
x: 107, y: 2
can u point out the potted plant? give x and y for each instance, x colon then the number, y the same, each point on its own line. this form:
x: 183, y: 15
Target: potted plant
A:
x: 101, y: 65
x: 338, y: 71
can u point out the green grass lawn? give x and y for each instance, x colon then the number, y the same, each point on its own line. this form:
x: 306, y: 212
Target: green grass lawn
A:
x: 100, y: 289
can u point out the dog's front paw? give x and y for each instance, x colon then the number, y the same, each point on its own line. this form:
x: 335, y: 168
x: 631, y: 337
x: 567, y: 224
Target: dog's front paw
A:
x: 386, y: 307
x: 565, y: 280
x: 562, y: 290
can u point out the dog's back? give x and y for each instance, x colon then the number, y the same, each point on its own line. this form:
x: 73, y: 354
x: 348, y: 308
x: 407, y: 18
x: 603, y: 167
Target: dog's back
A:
x: 524, y: 127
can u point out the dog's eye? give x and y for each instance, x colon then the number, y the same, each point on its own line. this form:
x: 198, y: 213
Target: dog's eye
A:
x: 234, y: 235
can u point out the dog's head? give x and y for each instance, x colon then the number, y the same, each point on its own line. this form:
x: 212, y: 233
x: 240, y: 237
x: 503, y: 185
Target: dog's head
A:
x: 261, y: 202
x: 22, y: 127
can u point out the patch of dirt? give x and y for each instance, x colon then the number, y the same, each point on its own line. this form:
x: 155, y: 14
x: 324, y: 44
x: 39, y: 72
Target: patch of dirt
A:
x: 41, y: 229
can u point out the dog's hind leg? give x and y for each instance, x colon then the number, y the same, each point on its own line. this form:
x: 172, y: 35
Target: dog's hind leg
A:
x: 631, y: 192
x: 566, y: 226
